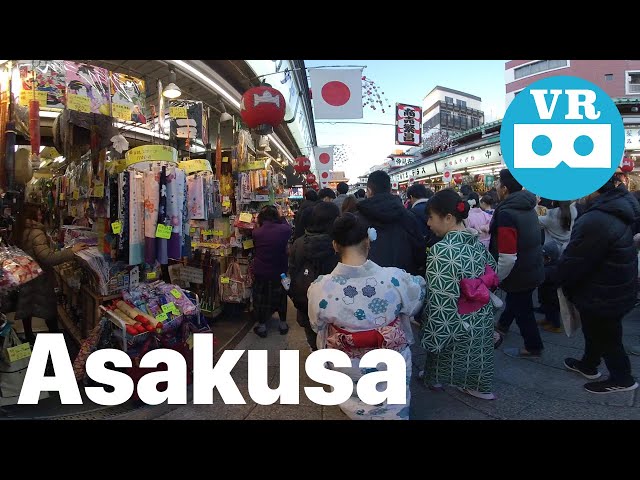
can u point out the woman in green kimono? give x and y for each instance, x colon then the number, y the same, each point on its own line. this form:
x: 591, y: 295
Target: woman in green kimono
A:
x: 457, y: 330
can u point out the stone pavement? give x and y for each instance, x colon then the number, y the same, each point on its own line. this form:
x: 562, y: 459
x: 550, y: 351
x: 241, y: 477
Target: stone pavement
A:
x: 526, y: 389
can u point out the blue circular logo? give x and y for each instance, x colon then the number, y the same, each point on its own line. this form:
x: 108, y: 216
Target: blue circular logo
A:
x: 562, y: 138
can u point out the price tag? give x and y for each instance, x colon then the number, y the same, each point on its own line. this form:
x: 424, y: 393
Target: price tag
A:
x: 207, y: 232
x: 161, y: 317
x: 247, y: 244
x: 218, y: 233
x: 116, y: 227
x: 176, y: 293
x: 224, y: 279
x: 226, y: 204
x: 192, y: 230
x: 168, y: 307
x: 27, y: 95
x: 151, y: 275
x: 246, y: 217
x: 225, y: 159
x: 76, y: 194
x: 78, y: 103
x: 62, y: 197
x: 178, y: 112
x: 19, y: 352
x: 121, y: 112
x: 175, y: 311
x: 164, y: 231
x: 98, y: 190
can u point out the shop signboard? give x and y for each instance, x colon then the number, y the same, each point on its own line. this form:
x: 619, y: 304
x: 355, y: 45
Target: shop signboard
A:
x: 398, y: 161
x: 632, y: 138
x: 408, y: 125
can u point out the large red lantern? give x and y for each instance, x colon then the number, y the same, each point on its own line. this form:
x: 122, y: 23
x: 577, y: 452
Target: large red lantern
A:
x: 457, y: 177
x: 302, y: 164
x: 315, y: 185
x: 627, y: 165
x: 263, y: 108
x: 311, y: 178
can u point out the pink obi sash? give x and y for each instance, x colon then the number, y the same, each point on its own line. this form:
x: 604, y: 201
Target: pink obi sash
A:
x: 474, y: 292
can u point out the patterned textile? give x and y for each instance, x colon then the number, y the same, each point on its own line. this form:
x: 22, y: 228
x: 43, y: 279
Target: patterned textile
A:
x: 269, y: 296
x: 196, y: 197
x: 361, y: 299
x: 151, y: 203
x: 136, y: 218
x: 459, y: 347
x: 175, y: 201
x: 356, y: 344
x: 123, y: 248
x: 186, y: 239
x: 161, y: 243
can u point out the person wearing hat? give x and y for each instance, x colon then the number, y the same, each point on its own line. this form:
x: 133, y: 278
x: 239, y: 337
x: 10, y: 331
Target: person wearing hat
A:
x: 598, y: 272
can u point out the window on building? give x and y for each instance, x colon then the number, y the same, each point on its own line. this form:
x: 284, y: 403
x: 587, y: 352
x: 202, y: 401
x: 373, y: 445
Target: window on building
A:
x: 461, y: 103
x: 538, y: 67
x: 632, y: 85
x: 608, y: 77
x: 448, y: 100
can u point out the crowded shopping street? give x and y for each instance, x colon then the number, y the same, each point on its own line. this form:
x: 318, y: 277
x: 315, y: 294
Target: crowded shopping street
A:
x: 290, y: 240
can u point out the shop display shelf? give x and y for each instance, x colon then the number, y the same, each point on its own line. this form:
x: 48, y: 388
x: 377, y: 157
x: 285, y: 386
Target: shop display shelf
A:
x: 69, y: 325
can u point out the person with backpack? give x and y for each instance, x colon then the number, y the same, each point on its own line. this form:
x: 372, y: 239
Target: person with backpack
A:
x: 312, y: 255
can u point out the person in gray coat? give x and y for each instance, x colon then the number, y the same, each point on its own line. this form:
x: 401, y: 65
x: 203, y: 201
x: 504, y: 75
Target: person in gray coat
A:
x: 342, y: 189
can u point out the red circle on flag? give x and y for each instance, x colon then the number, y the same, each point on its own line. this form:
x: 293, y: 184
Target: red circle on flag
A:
x: 335, y: 93
x: 324, y: 158
x: 325, y: 175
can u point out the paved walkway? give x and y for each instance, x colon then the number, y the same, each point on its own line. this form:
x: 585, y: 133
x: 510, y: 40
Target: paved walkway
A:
x: 526, y: 389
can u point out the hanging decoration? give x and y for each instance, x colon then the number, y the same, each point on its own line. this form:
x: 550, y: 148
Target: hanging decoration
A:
x: 627, y: 164
x: 311, y: 178
x: 262, y: 108
x: 302, y: 165
x: 438, y: 141
x: 340, y: 155
x: 457, y: 177
x: 373, y: 96
x: 314, y: 185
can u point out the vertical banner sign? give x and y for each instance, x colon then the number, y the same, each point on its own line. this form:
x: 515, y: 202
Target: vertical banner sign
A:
x: 408, y: 125
x: 324, y: 158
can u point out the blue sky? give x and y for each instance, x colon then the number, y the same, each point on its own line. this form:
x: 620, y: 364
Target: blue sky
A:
x: 407, y: 81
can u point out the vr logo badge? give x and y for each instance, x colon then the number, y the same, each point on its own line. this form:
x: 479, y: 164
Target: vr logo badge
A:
x: 545, y: 146
x: 562, y: 137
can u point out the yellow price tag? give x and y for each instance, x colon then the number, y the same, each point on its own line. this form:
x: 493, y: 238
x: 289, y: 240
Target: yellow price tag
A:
x: 175, y: 311
x: 116, y: 227
x: 76, y: 194
x: 178, y: 112
x: 192, y: 230
x: 27, y: 95
x: 176, y: 293
x: 78, y: 103
x: 161, y: 317
x: 168, y: 307
x: 62, y: 197
x: 246, y: 217
x: 224, y: 279
x: 226, y: 204
x: 98, y: 190
x: 225, y: 159
x: 247, y: 244
x: 121, y: 112
x: 19, y: 352
x: 218, y: 233
x: 164, y: 231
x: 151, y: 276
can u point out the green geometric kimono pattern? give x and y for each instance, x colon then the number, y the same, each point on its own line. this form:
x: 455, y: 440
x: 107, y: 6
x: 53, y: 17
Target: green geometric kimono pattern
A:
x: 459, y: 347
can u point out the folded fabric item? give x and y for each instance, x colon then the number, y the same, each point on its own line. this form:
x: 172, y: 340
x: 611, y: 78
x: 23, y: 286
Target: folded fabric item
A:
x: 474, y: 292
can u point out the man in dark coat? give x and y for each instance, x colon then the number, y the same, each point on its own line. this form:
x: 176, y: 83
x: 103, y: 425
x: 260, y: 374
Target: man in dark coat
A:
x: 516, y: 246
x: 299, y: 222
x: 399, y: 242
x: 419, y: 196
x: 598, y: 272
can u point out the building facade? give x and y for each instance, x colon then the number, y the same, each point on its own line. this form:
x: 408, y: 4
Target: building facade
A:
x: 448, y: 110
x: 619, y: 78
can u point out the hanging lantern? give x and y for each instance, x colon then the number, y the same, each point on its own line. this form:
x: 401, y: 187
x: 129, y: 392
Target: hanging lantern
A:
x: 311, y: 178
x: 627, y: 165
x: 314, y: 185
x: 262, y: 108
x: 302, y: 164
x: 457, y: 177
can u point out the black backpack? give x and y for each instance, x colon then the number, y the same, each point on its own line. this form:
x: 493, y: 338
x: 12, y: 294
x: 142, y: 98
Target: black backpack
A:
x: 305, y: 276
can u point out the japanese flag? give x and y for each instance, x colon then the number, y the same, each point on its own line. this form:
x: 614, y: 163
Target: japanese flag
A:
x: 324, y: 158
x: 337, y: 93
x: 324, y: 177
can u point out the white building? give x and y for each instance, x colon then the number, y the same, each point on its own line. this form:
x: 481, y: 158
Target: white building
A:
x: 451, y: 111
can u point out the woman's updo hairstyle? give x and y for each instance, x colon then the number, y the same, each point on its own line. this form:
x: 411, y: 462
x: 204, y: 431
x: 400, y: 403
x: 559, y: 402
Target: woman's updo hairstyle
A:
x: 349, y: 230
x: 447, y: 201
x: 473, y: 199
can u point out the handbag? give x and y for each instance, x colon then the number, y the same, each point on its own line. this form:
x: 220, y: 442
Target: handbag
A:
x: 11, y: 373
x: 233, y: 285
x: 569, y: 313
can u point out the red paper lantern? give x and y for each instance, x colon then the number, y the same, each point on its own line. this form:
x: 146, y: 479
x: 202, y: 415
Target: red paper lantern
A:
x: 261, y: 106
x: 627, y: 164
x: 302, y: 164
x: 457, y: 177
x: 315, y: 186
x: 311, y: 178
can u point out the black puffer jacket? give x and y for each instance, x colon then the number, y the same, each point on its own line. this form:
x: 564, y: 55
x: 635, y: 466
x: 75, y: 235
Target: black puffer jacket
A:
x: 599, y: 268
x: 302, y: 218
x: 399, y: 241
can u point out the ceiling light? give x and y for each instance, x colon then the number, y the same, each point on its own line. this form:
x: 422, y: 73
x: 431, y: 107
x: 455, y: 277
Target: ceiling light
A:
x: 224, y: 117
x: 172, y: 90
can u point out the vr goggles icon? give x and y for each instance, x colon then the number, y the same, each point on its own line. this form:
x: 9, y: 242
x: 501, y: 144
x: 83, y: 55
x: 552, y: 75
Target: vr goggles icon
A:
x: 562, y: 139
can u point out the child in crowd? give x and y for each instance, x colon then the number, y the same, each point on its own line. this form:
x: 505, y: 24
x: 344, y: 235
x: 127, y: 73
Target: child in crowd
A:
x: 548, y: 291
